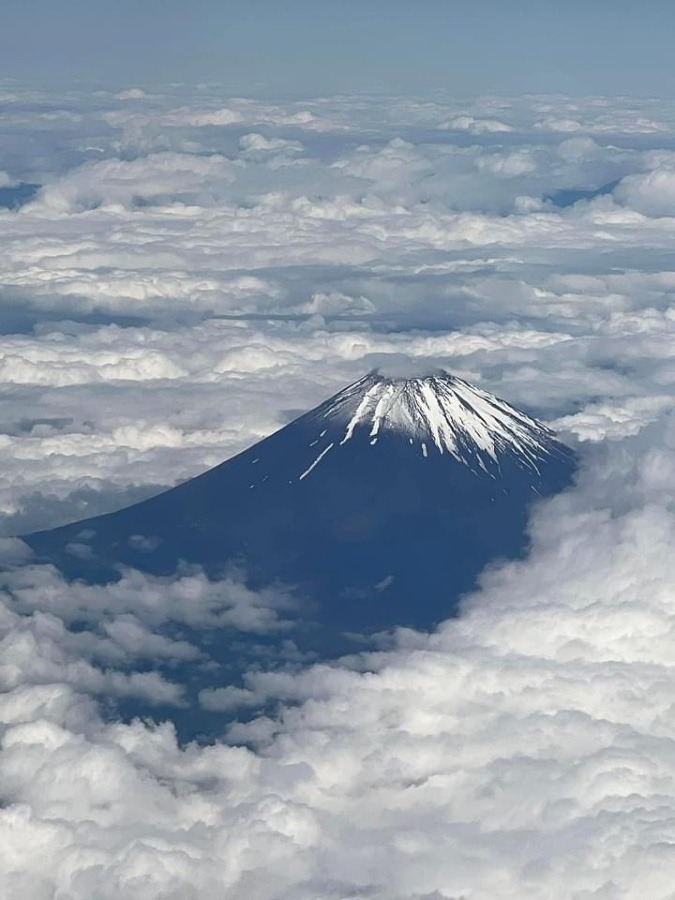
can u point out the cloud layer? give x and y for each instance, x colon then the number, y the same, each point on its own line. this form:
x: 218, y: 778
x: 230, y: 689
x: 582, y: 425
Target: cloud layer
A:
x: 524, y: 749
x: 192, y: 272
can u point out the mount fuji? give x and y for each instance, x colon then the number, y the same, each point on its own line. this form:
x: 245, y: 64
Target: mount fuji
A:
x: 379, y: 508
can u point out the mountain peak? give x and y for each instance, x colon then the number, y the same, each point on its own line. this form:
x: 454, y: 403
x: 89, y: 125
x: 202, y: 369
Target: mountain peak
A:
x: 440, y: 413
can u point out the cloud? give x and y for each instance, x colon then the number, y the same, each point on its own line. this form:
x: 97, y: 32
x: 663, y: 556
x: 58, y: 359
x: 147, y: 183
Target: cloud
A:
x: 131, y: 94
x: 258, y: 143
x: 188, y: 117
x: 189, y: 598
x: 13, y: 552
x: 128, y: 182
x: 476, y: 126
x: 38, y: 649
x: 500, y: 755
x: 138, y: 638
x: 221, y: 265
x: 652, y: 194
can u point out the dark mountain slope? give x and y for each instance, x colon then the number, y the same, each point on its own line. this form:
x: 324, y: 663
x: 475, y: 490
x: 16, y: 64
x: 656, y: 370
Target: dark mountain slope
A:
x: 383, y: 504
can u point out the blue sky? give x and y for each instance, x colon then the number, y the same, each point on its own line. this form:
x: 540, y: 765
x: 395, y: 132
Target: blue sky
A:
x: 302, y: 48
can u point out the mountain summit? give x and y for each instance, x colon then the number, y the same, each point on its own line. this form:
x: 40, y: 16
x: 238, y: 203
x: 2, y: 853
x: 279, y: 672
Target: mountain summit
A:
x: 439, y: 413
x: 379, y: 508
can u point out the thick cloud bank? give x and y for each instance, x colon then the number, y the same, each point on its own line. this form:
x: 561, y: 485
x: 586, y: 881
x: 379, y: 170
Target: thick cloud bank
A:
x: 188, y: 272
x: 525, y: 749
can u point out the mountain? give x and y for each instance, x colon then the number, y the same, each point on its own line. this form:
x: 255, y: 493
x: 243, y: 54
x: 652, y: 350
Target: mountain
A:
x: 379, y: 508
x: 383, y: 503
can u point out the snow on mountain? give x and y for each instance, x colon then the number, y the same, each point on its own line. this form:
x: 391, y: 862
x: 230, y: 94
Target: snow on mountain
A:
x: 442, y: 413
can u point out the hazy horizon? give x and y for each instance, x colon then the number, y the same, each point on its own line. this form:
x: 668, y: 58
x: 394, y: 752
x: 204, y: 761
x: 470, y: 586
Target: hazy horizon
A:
x: 304, y: 49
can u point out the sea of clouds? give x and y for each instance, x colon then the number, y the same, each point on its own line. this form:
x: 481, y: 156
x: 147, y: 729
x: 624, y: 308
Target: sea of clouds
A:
x: 188, y: 273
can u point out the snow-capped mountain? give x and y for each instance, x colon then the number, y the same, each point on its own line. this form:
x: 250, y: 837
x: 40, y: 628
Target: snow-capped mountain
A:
x: 379, y: 508
x: 437, y: 412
